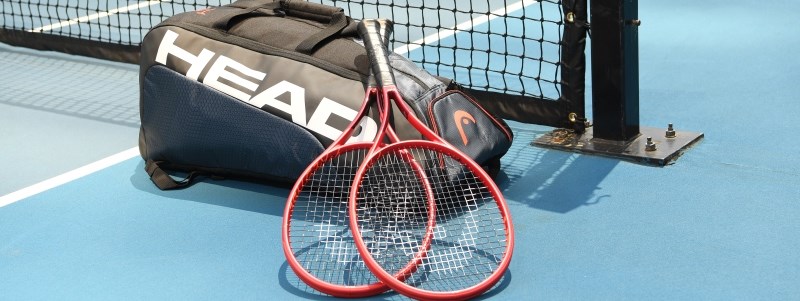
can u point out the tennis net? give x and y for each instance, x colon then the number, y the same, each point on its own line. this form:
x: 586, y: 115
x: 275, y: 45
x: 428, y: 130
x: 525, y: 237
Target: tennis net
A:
x: 523, y: 58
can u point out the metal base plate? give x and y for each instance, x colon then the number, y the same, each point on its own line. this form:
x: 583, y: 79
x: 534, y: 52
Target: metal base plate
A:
x: 666, y: 149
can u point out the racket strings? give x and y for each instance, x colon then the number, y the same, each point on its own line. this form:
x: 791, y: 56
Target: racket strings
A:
x: 320, y: 235
x: 393, y: 213
x: 470, y: 237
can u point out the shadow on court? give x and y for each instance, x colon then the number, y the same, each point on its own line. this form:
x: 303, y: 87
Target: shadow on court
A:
x: 70, y: 85
x: 551, y: 180
x: 292, y: 284
x: 540, y: 178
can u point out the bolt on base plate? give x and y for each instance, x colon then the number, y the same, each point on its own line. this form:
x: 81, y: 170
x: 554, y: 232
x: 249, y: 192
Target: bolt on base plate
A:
x: 635, y: 150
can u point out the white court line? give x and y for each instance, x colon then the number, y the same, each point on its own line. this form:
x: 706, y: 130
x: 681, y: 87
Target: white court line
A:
x: 92, y: 167
x: 96, y: 16
x: 68, y: 176
x: 133, y: 152
x: 467, y: 25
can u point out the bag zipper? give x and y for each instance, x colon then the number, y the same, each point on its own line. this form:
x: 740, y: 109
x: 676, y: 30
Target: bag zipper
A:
x: 414, y: 78
x: 272, y: 50
x: 266, y: 49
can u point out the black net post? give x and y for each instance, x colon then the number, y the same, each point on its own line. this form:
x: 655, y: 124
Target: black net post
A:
x: 615, y: 69
x: 615, y: 96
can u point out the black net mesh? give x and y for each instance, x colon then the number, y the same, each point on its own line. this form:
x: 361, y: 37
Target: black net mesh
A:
x: 117, y: 22
x: 509, y: 47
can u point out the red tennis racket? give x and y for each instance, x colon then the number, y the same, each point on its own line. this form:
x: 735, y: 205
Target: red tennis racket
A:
x: 316, y: 237
x: 426, y: 219
x: 317, y: 242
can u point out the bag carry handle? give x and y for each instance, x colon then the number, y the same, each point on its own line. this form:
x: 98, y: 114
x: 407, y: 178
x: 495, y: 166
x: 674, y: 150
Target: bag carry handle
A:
x: 226, y: 17
x: 311, y: 11
x: 336, y: 20
x: 334, y: 16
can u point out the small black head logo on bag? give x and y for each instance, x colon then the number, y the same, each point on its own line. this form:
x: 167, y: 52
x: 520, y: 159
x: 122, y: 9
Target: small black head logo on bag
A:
x: 463, y: 118
x: 204, y: 11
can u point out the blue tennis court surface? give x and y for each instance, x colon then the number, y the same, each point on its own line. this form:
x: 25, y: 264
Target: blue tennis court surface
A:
x: 719, y: 224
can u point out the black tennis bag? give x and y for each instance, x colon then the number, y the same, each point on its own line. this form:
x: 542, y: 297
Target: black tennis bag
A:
x: 257, y: 89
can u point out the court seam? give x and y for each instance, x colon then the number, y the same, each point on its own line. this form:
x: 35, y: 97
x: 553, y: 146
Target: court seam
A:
x: 133, y: 152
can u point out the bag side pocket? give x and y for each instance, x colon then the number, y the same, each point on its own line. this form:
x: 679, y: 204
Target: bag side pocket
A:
x: 459, y: 119
x: 186, y: 123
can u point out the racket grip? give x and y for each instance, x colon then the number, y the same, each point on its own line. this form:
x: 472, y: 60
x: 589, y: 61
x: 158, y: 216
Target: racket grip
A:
x: 375, y: 33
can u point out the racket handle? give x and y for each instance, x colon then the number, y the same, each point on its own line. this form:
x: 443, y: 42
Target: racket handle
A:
x: 375, y: 33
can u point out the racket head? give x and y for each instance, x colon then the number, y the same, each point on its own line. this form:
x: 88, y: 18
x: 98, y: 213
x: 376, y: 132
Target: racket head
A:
x: 316, y: 238
x: 469, y: 243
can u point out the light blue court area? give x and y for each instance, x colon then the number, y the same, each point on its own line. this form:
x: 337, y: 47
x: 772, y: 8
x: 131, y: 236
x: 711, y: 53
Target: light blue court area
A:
x: 719, y: 224
x: 60, y: 112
